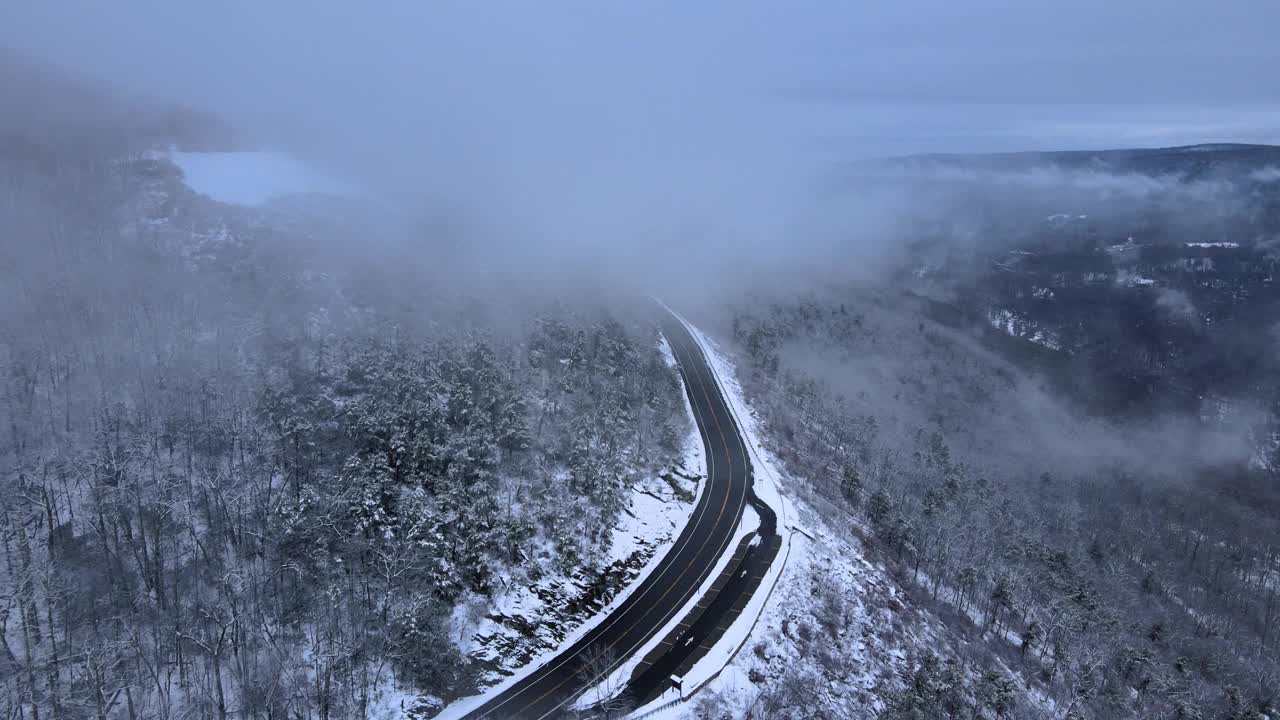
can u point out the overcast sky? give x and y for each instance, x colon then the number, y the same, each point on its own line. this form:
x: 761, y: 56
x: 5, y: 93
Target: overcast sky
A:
x: 917, y: 74
x: 624, y: 119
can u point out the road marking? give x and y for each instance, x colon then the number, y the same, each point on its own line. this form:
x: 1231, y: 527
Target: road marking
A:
x: 541, y: 673
x: 737, y: 516
x: 630, y: 602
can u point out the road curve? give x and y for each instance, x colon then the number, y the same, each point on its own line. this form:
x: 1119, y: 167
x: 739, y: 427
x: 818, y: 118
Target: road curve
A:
x: 549, y: 691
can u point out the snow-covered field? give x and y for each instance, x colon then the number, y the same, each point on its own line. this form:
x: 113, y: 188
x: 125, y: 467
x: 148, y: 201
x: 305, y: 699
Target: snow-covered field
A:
x: 252, y: 177
x: 830, y: 597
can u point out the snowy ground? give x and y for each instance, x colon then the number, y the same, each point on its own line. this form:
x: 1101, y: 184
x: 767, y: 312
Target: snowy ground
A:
x: 835, y: 633
x: 522, y: 623
x: 646, y: 532
x: 617, y: 680
x: 831, y: 608
x: 1014, y: 325
x: 827, y: 624
x: 767, y: 489
x: 252, y: 177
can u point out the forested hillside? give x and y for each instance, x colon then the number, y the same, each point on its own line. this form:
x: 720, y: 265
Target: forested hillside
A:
x: 246, y: 473
x: 1092, y: 568
x: 368, y: 452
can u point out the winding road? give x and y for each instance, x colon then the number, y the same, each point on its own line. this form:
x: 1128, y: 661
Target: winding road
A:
x: 549, y: 691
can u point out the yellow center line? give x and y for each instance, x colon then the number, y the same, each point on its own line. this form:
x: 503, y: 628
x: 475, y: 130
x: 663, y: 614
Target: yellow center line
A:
x: 627, y: 605
x: 728, y: 456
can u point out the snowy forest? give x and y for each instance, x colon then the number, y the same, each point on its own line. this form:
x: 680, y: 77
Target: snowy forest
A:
x: 1087, y: 567
x: 997, y: 435
x: 243, y: 477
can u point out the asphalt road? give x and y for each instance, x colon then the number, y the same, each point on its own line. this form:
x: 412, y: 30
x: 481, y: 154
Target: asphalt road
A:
x: 549, y: 691
x: 698, y: 632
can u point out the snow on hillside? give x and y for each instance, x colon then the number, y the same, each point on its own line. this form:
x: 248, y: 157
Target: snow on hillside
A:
x: 832, y: 610
x: 1126, y: 278
x: 825, y: 594
x: 252, y: 177
x: 523, y: 628
x: 525, y: 625
x: 766, y: 488
x: 1014, y: 325
x: 838, y: 635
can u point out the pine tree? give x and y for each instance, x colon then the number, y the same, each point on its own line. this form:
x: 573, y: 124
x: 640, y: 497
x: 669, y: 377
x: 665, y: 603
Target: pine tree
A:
x: 851, y: 485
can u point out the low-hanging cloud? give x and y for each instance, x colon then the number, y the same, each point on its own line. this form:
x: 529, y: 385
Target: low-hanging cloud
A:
x: 661, y: 145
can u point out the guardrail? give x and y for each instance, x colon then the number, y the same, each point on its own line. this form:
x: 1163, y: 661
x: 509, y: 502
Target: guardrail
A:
x: 733, y: 655
x: 654, y: 711
x: 756, y: 453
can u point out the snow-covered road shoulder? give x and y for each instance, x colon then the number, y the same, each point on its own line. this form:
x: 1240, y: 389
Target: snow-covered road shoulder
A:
x: 834, y: 632
x: 655, y: 517
x: 253, y: 178
x: 766, y: 484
